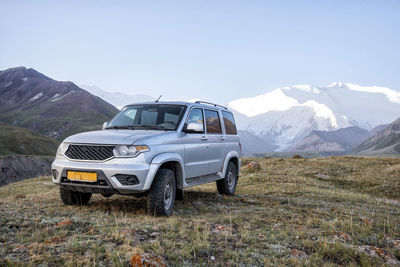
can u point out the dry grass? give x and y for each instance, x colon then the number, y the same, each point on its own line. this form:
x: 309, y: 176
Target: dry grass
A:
x: 321, y: 212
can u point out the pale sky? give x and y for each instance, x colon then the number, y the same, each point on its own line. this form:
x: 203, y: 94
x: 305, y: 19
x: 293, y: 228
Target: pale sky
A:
x: 213, y: 50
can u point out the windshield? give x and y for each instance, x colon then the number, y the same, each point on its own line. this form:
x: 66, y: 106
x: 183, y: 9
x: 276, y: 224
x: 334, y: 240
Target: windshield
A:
x: 150, y: 117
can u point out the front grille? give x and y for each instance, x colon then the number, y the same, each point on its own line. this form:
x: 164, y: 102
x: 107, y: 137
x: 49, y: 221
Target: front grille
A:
x: 87, y: 152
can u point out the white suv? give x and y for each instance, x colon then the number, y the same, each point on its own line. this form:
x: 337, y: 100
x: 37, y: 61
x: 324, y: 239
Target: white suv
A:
x: 155, y: 149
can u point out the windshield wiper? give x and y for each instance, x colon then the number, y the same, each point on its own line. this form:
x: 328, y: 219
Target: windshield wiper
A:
x: 122, y: 127
x: 152, y: 127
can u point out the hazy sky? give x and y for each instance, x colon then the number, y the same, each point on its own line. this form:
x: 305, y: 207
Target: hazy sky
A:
x: 214, y: 50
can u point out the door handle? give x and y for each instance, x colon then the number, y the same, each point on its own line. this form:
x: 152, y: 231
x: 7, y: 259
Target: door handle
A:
x: 203, y: 138
x: 222, y: 138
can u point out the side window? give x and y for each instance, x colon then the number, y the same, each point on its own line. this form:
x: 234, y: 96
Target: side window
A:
x: 212, y: 122
x: 229, y: 121
x: 196, y: 115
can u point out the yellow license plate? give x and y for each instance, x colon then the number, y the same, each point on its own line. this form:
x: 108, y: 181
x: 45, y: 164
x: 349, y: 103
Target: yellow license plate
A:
x: 82, y: 176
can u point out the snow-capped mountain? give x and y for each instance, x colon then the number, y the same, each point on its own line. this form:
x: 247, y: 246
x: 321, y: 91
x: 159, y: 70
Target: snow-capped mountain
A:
x: 117, y: 99
x: 289, y: 114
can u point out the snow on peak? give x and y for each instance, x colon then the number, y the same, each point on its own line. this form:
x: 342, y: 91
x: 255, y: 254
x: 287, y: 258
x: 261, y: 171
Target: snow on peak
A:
x: 305, y: 88
x: 392, y: 95
x: 275, y: 100
x: 322, y: 111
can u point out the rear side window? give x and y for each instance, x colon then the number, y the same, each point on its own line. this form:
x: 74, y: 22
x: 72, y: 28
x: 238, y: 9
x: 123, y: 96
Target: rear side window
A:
x: 212, y: 122
x: 229, y: 121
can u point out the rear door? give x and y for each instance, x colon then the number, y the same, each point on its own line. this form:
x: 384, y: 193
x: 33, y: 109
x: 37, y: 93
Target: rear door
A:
x: 215, y: 140
x: 231, y: 137
x: 196, y: 147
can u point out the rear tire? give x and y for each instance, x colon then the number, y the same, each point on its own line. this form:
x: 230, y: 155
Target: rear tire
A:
x: 227, y: 186
x: 70, y: 197
x: 161, y: 197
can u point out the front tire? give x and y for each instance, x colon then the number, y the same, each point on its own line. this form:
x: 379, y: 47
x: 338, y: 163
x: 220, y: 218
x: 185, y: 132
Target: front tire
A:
x: 70, y: 197
x: 227, y: 186
x: 161, y: 197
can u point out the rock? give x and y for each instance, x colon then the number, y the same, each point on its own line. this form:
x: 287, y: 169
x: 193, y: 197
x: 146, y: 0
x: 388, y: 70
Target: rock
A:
x: 322, y: 176
x: 221, y: 228
x: 212, y: 258
x: 252, y: 166
x: 298, y: 253
x: 154, y: 234
x: 18, y: 168
x: 297, y: 157
x: 147, y: 260
x: 64, y: 223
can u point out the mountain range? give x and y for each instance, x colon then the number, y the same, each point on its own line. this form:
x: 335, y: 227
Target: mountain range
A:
x: 117, y: 99
x: 285, y: 116
x: 341, y: 117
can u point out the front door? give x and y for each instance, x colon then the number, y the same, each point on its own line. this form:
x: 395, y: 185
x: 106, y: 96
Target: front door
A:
x: 196, y: 148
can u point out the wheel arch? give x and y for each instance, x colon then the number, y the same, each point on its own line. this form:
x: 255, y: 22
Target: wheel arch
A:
x: 235, y: 158
x: 172, y: 161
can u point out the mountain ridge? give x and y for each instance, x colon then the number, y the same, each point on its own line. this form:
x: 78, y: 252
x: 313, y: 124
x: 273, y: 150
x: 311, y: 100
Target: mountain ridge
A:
x: 386, y: 141
x: 341, y: 140
x: 29, y: 99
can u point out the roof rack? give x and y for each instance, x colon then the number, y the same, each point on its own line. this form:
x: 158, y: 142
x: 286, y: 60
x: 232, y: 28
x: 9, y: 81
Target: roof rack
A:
x: 209, y: 103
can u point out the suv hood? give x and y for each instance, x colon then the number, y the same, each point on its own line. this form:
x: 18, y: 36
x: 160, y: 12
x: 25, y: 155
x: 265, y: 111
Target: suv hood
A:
x: 111, y: 137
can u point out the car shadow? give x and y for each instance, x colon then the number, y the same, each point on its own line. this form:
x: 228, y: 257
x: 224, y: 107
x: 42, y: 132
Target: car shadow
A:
x: 131, y: 204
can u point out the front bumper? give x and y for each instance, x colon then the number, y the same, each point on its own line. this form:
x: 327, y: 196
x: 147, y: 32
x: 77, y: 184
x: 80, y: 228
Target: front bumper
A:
x: 106, y: 172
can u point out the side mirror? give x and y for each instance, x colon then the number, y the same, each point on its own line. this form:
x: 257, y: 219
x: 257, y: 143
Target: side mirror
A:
x: 105, y: 125
x: 193, y: 127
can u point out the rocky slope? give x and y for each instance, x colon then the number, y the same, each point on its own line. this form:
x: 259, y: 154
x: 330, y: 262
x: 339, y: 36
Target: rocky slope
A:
x: 342, y: 140
x: 386, y: 141
x: 18, y: 168
x: 56, y: 109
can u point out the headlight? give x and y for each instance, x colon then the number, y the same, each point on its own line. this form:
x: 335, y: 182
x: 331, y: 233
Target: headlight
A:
x: 62, y: 148
x: 129, y: 151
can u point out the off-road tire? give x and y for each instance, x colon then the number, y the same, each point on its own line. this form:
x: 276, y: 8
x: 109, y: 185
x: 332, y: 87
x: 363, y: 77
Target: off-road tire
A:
x: 226, y: 186
x: 158, y: 192
x: 69, y: 197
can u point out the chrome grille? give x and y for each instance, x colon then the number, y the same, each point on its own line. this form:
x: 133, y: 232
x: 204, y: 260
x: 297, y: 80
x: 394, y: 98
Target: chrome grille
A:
x: 88, y: 152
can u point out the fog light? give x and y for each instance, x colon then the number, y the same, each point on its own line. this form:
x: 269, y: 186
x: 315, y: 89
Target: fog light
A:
x: 55, y: 174
x: 127, y: 179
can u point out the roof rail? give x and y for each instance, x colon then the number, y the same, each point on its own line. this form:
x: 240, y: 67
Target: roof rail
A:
x: 209, y: 103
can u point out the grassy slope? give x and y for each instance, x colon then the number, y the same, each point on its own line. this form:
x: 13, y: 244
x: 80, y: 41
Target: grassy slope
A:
x: 72, y: 121
x: 20, y: 141
x: 293, y: 212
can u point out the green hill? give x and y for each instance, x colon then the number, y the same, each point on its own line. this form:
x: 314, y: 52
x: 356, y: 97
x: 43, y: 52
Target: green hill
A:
x: 20, y: 141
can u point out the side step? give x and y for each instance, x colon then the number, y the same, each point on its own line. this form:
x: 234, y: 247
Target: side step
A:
x: 202, y: 179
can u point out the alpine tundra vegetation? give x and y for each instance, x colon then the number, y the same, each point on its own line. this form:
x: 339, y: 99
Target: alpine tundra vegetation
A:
x: 322, y: 212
